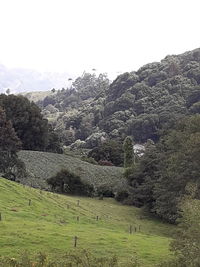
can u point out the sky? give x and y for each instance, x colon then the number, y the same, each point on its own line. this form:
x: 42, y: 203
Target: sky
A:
x: 111, y: 36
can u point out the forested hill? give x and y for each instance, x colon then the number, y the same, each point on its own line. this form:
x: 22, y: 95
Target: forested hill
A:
x: 142, y: 102
x: 139, y: 103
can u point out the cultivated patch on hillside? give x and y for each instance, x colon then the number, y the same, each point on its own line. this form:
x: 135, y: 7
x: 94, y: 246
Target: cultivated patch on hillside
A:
x: 42, y: 165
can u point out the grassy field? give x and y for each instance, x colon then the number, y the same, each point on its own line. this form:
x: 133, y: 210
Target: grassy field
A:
x: 42, y: 165
x: 51, y: 221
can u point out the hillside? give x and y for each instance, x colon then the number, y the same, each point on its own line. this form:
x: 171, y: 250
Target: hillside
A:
x: 36, y: 96
x: 49, y: 224
x: 42, y: 165
x: 141, y: 103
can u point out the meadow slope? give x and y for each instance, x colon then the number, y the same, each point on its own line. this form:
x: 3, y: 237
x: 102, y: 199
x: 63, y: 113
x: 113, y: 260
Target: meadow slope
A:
x: 42, y: 165
x: 50, y: 223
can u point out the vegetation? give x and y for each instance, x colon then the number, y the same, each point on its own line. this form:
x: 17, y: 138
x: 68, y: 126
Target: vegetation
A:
x: 160, y: 177
x: 128, y: 152
x: 141, y: 104
x: 48, y: 224
x: 158, y: 106
x: 69, y: 183
x: 10, y: 165
x: 79, y: 258
x: 186, y: 244
x: 110, y: 150
x: 42, y: 165
x: 30, y: 126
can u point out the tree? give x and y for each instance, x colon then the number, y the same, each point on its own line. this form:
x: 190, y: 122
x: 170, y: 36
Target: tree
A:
x: 110, y: 151
x: 179, y: 165
x: 143, y: 176
x: 27, y: 121
x: 8, y: 91
x: 9, y: 146
x: 186, y: 242
x: 69, y: 183
x: 128, y: 152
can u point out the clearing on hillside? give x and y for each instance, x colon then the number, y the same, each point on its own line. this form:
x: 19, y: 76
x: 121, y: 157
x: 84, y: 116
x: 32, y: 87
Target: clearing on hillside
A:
x: 37, y: 220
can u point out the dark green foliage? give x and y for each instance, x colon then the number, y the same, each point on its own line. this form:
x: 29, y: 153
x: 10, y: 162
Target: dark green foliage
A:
x: 69, y: 183
x: 186, y: 243
x: 104, y: 191
x: 142, y: 104
x: 180, y: 165
x: 143, y: 175
x: 27, y: 121
x: 10, y: 144
x: 30, y: 126
x: 128, y: 152
x: 160, y: 176
x: 54, y: 144
x: 110, y: 150
x: 121, y: 195
x: 153, y: 97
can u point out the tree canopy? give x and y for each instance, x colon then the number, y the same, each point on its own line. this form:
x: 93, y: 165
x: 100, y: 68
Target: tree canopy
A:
x: 30, y: 126
x: 9, y: 146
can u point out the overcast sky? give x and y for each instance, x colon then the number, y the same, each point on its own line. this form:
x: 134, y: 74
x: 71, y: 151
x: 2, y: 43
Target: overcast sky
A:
x: 109, y: 35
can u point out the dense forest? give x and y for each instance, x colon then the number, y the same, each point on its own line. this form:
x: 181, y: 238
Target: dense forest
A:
x: 142, y: 104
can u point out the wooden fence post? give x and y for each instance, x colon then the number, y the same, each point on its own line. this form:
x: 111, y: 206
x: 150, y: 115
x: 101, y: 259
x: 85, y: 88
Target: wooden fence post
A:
x: 75, y: 241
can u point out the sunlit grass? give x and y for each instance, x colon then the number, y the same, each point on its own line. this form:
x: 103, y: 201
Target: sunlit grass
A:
x: 50, y: 224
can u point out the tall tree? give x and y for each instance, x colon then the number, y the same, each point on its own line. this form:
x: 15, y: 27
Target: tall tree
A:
x: 9, y: 145
x: 128, y: 152
x: 27, y: 121
x: 186, y: 242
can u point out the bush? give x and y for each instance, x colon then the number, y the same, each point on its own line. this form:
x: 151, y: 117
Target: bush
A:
x: 70, y: 183
x: 121, y: 195
x: 105, y: 191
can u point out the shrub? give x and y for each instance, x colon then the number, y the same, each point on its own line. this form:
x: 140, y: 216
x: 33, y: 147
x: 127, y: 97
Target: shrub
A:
x: 105, y: 191
x: 70, y: 183
x: 121, y: 195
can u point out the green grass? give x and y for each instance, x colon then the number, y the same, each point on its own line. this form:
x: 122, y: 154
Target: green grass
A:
x: 50, y: 223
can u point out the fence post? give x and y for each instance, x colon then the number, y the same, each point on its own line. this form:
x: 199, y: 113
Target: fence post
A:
x: 75, y: 241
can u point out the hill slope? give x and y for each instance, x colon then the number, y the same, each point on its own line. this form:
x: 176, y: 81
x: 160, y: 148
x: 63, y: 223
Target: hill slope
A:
x: 50, y: 223
x: 42, y: 165
x: 140, y: 103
